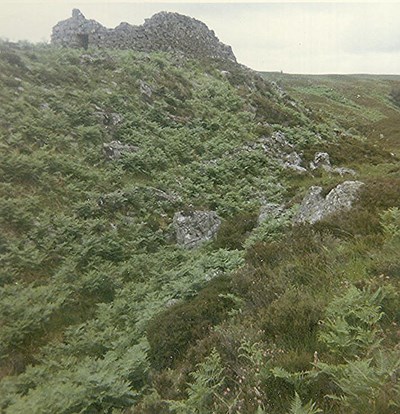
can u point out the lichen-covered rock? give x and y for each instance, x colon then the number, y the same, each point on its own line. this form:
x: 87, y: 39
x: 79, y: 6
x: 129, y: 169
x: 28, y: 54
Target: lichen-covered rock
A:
x: 293, y: 161
x: 162, y: 32
x: 322, y: 161
x: 115, y: 149
x: 195, y: 227
x: 316, y: 207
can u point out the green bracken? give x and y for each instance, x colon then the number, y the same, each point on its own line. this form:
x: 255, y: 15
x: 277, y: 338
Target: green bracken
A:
x: 102, y: 312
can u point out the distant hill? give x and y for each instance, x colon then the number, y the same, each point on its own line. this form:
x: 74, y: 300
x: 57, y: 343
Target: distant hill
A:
x: 364, y: 102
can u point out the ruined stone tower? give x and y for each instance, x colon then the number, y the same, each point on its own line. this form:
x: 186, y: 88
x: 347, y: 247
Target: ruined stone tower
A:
x: 162, y: 32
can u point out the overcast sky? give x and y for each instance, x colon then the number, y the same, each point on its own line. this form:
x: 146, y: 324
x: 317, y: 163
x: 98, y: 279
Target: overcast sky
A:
x: 313, y: 37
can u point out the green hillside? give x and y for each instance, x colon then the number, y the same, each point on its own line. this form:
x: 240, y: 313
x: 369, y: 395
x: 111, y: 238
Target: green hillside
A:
x: 102, y: 311
x: 368, y: 103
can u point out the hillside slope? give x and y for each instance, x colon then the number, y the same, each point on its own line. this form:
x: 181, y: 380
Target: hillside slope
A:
x: 102, y: 311
x: 367, y: 103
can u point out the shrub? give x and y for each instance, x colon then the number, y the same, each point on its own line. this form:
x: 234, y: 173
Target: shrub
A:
x: 350, y: 150
x: 390, y: 221
x: 380, y: 193
x: 357, y: 222
x: 171, y: 332
x: 298, y: 408
x: 234, y: 231
x: 292, y: 319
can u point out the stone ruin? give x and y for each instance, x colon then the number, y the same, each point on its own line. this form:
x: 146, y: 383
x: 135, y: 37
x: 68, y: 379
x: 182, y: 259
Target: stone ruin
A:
x: 169, y: 32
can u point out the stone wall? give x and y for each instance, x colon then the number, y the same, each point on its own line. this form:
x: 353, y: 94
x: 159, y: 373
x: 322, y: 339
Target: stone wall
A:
x: 163, y: 32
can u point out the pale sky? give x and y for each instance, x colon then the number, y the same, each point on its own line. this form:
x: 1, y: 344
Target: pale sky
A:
x: 296, y: 37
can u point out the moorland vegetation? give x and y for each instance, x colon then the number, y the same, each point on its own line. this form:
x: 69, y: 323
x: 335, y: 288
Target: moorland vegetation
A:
x: 102, y: 312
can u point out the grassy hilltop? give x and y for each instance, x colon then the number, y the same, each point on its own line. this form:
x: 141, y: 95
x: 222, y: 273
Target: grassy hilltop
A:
x: 102, y: 312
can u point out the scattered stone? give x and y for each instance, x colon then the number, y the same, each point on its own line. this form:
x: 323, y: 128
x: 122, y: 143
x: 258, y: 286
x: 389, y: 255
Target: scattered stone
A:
x: 277, y: 146
x: 344, y: 171
x: 145, y: 89
x: 196, y: 227
x: 293, y: 162
x: 316, y: 207
x: 163, y: 32
x: 108, y: 119
x: 85, y: 59
x: 114, y: 150
x: 322, y: 161
x: 277, y: 141
x: 278, y: 88
x: 45, y: 106
x: 171, y: 302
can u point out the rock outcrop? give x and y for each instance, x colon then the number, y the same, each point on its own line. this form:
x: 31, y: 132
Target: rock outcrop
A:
x: 316, y: 207
x: 196, y: 227
x: 162, y: 32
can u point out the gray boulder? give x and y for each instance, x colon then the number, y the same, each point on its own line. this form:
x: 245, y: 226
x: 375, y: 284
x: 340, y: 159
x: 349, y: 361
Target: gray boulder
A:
x: 321, y: 160
x: 293, y: 162
x: 108, y: 119
x: 195, y: 227
x: 316, y: 207
x: 114, y: 150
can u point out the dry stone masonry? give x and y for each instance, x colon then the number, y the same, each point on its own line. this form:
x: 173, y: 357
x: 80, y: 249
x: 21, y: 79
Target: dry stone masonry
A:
x: 163, y: 32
